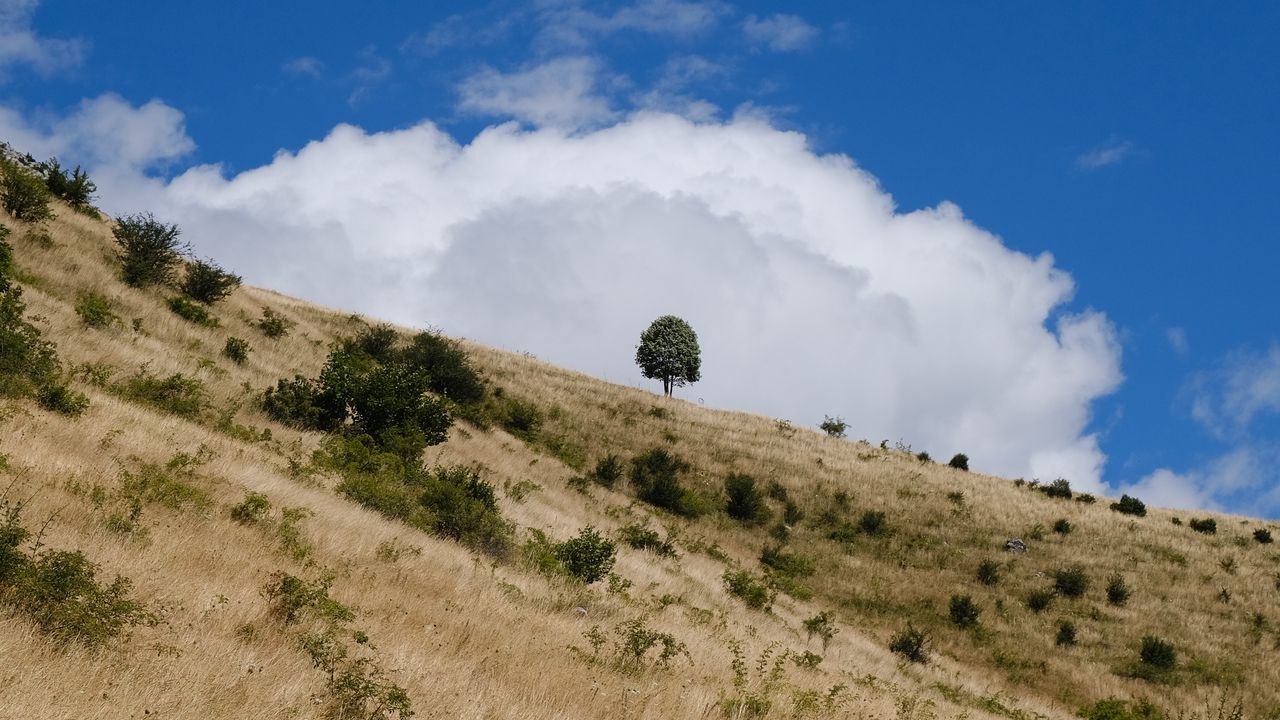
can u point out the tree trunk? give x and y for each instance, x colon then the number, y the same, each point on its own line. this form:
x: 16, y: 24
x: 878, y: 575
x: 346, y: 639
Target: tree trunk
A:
x: 666, y: 386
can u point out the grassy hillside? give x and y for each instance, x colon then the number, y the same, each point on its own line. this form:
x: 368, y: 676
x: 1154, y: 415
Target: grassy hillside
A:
x: 258, y: 587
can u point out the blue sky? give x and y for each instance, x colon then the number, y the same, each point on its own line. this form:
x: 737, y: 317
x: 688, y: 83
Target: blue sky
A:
x: 1134, y: 142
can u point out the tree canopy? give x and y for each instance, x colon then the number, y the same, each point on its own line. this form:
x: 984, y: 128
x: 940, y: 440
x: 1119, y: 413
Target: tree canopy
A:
x: 669, y: 352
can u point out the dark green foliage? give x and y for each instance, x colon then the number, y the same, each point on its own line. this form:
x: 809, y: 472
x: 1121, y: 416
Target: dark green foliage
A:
x: 749, y: 589
x: 608, y: 471
x: 588, y: 557
x: 911, y: 644
x: 296, y: 403
x: 1071, y: 581
x: 655, y: 477
x: 1117, y: 591
x: 74, y: 188
x: 642, y: 538
x: 1062, y: 526
x: 178, y: 394
x: 149, y: 250
x: 23, y: 194
x: 252, y: 510
x: 1207, y: 526
x: 744, y: 501
x: 963, y: 611
x: 295, y: 599
x: 520, y: 418
x: 27, y: 361
x: 273, y: 325
x: 1130, y: 506
x: 447, y: 365
x: 823, y: 626
x: 1157, y: 653
x: 236, y: 350
x: 791, y: 513
x: 56, y: 397
x: 6, y: 260
x: 465, y: 509
x: 1039, y: 600
x: 834, y: 427
x: 959, y: 461
x: 1059, y: 488
x: 95, y: 310
x: 988, y: 572
x: 207, y: 283
x: 669, y: 352
x: 786, y: 564
x: 1066, y: 636
x: 191, y: 311
x: 1086, y: 498
x: 872, y: 522
x: 1262, y: 536
x: 1115, y: 709
x: 923, y: 456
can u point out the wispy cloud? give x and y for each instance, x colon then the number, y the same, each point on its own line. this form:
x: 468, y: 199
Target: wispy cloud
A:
x: 1113, y: 152
x: 1177, y: 338
x: 563, y: 93
x: 572, y: 24
x: 1245, y: 386
x: 780, y: 32
x: 304, y: 66
x: 20, y: 45
x: 372, y: 69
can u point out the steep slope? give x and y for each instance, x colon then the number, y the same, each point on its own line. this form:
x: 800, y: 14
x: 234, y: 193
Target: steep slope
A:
x: 152, y: 495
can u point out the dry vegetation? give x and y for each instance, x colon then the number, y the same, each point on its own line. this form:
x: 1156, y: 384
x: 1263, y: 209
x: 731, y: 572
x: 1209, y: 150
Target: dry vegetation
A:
x: 467, y: 636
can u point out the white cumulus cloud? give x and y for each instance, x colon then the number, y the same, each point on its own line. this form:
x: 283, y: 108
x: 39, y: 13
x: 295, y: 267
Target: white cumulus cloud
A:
x: 564, y: 92
x: 812, y: 294
x: 20, y: 45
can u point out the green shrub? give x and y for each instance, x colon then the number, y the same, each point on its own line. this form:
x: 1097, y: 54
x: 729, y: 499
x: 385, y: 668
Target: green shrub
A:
x: 655, y: 477
x: 791, y: 513
x: 520, y: 418
x: 1086, y: 498
x: 296, y: 403
x: 1115, y: 709
x: 27, y: 361
x: 823, y: 626
x: 786, y: 564
x: 1071, y: 581
x: 1262, y: 536
x: 295, y: 599
x: 273, y: 325
x: 959, y: 461
x: 6, y: 260
x: 1059, y: 488
x: 988, y: 572
x: 95, y: 310
x: 744, y: 502
x: 588, y: 557
x: 149, y: 250
x: 1157, y: 654
x: 1039, y: 600
x: 749, y: 589
x: 608, y: 471
x: 447, y: 364
x: 963, y: 611
x: 236, y: 350
x: 252, y: 510
x: 206, y: 282
x: 872, y: 522
x: 1207, y: 526
x: 178, y: 394
x: 834, y: 427
x: 56, y: 397
x: 169, y: 485
x: 1066, y: 634
x: 464, y: 508
x: 1117, y: 590
x: 642, y: 538
x: 1130, y: 506
x: 191, y: 311
x: 923, y: 457
x: 76, y: 189
x: 23, y: 194
x: 1062, y: 526
x: 911, y: 644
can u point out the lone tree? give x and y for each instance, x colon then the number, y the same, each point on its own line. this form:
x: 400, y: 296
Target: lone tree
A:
x: 668, y: 351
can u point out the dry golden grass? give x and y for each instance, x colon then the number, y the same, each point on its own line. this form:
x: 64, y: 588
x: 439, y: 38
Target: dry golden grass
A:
x: 469, y: 639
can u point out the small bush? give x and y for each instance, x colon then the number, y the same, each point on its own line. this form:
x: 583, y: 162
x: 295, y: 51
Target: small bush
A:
x: 959, y: 461
x: 58, y: 398
x: 149, y: 249
x: 27, y: 361
x: 1115, y: 709
x: 191, y: 311
x: 295, y: 599
x: 923, y: 457
x: 1262, y: 536
x: 177, y: 394
x: 1039, y: 600
x: 1117, y: 591
x: 1071, y: 582
x: 465, y: 509
x: 1130, y: 506
x: 834, y: 427
x: 988, y: 572
x: 872, y: 522
x: 655, y: 477
x: 1062, y: 526
x: 236, y: 350
x: 745, y: 503
x: 642, y: 538
x: 207, y: 283
x: 911, y: 644
x: 1157, y: 653
x: 1207, y: 526
x: 273, y: 325
x: 450, y: 370
x: 963, y: 611
x: 23, y: 194
x: 1060, y: 488
x: 296, y: 403
x: 75, y: 188
x: 1066, y: 634
x: 95, y: 310
x: 252, y: 510
x: 1086, y: 498
x: 607, y: 472
x: 822, y: 626
x: 750, y: 589
x: 588, y: 557
x: 520, y: 418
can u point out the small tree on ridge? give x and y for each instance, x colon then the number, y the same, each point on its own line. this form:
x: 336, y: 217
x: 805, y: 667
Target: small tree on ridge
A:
x: 669, y: 352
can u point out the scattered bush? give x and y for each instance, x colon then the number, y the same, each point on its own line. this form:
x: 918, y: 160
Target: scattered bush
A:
x: 988, y: 572
x: 23, y: 194
x: 959, y: 461
x: 273, y: 325
x: 923, y: 457
x: 633, y: 641
x: 207, y: 283
x: 1071, y: 581
x: 1086, y: 498
x: 296, y: 403
x: 588, y: 557
x: 56, y: 397
x: 236, y: 350
x: 95, y: 310
x: 1117, y: 590
x: 1039, y: 600
x: 191, y: 311
x: 750, y: 589
x: 823, y: 626
x: 608, y: 471
x: 149, y: 250
x: 1130, y: 506
x: 963, y: 611
x: 872, y: 522
x: 520, y: 418
x: 1066, y: 634
x: 27, y: 361
x: 642, y: 538
x: 1062, y: 526
x: 295, y: 599
x: 1207, y: 526
x: 655, y: 477
x: 911, y: 644
x: 465, y: 508
x: 75, y: 189
x: 1262, y: 536
x: 745, y: 502
x: 177, y: 394
x: 447, y: 365
x: 1157, y: 653
x: 252, y: 510
x: 1115, y: 709
x: 1060, y: 488
x: 834, y: 427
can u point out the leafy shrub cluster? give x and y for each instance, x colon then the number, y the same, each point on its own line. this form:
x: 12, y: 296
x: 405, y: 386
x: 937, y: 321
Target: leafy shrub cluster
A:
x: 23, y: 194
x: 236, y: 350
x: 1157, y: 653
x: 94, y: 310
x: 1071, y: 581
x: 1060, y: 488
x: 1130, y: 506
x: 964, y: 611
x: 988, y: 572
x: 745, y: 503
x: 294, y: 599
x: 588, y: 557
x: 834, y: 427
x: 149, y: 250
x: 192, y: 311
x: 784, y: 571
x: 1117, y: 591
x: 177, y: 394
x: 1262, y: 536
x: 1115, y: 709
x: 272, y: 324
x: 656, y: 479
x: 750, y: 589
x: 959, y: 461
x: 1207, y: 526
x: 252, y: 510
x: 1066, y: 636
x: 74, y: 187
x: 642, y: 538
x: 608, y: 471
x: 823, y: 627
x: 912, y: 644
x: 635, y: 647
x: 207, y: 283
